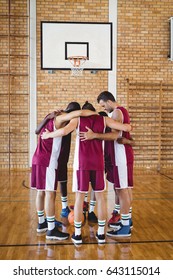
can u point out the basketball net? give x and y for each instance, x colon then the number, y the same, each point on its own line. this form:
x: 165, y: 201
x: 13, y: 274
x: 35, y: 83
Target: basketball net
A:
x: 77, y: 65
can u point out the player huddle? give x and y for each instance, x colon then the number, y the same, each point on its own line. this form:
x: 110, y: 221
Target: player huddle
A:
x: 103, y: 145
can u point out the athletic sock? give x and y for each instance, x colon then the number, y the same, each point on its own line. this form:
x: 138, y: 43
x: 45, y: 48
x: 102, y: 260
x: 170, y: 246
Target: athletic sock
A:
x: 125, y: 219
x: 41, y: 217
x: 86, y: 197
x: 130, y: 212
x: 51, y: 222
x: 117, y: 208
x: 77, y: 226
x: 101, y: 226
x: 92, y: 206
x: 64, y: 201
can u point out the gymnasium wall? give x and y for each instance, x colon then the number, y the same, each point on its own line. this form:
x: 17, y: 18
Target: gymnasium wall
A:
x: 143, y: 44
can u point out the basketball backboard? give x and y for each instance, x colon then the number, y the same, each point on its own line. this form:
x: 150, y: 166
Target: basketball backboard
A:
x: 60, y: 40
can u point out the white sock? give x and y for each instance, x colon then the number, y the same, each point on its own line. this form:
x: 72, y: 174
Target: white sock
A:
x: 125, y: 219
x: 101, y: 226
x: 92, y: 206
x: 64, y: 201
x: 41, y: 217
x: 78, y: 226
x: 130, y: 212
x: 117, y: 208
x: 86, y: 197
x: 51, y: 222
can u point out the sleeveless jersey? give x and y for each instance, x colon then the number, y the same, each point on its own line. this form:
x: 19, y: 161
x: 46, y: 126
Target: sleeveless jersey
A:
x: 123, y: 153
x: 48, y: 150
x: 89, y: 155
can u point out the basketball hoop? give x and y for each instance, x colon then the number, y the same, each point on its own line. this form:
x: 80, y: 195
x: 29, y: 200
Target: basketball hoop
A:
x: 77, y: 63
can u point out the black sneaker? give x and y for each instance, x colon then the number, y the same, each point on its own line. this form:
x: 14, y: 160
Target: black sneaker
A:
x: 77, y: 239
x: 56, y: 234
x: 100, y: 238
x: 42, y: 227
x: 92, y: 217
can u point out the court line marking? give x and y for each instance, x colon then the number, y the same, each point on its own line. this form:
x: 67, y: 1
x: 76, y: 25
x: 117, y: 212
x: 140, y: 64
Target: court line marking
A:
x: 87, y: 243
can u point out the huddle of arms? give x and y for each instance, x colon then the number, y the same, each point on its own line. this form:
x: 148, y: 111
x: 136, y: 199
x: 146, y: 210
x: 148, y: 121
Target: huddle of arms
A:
x: 72, y: 117
x: 113, y: 135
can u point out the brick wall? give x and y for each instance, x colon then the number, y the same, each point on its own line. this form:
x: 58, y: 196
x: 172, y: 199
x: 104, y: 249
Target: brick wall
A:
x: 58, y: 89
x: 14, y: 84
x: 143, y: 44
x: 144, y: 78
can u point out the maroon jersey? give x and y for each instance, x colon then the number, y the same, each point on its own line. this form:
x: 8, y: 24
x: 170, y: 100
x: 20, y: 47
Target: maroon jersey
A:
x: 48, y: 150
x: 89, y: 155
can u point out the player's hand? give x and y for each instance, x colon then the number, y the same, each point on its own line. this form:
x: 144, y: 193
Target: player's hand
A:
x: 45, y: 134
x: 121, y: 140
x: 88, y: 135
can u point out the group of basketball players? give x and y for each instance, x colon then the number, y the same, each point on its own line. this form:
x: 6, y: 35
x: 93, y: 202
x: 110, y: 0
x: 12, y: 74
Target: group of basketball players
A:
x: 91, y: 161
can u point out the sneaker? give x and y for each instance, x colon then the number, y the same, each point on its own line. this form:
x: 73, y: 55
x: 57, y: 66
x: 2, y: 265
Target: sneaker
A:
x: 56, y: 234
x: 42, y: 227
x: 100, y: 238
x: 115, y: 219
x: 65, y: 212
x: 77, y: 239
x: 58, y: 223
x: 124, y: 231
x: 92, y: 217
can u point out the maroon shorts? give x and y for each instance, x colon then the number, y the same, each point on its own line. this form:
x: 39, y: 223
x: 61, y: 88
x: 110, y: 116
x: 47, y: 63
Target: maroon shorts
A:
x: 121, y: 176
x: 85, y: 177
x: 43, y: 178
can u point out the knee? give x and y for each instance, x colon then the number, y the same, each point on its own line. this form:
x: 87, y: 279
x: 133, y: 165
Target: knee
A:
x: 50, y: 195
x: 41, y: 194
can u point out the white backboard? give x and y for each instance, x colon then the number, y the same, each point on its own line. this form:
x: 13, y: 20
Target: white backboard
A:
x: 59, y: 40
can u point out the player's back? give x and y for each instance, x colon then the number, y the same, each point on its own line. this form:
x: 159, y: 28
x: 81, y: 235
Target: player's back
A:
x: 91, y: 156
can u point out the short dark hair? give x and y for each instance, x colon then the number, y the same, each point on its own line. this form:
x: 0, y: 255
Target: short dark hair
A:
x: 105, y: 96
x: 88, y: 106
x: 103, y: 113
x: 72, y: 106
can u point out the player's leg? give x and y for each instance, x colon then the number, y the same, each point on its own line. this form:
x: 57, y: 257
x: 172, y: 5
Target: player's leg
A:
x: 98, y: 185
x: 123, y: 228
x: 37, y: 182
x: 64, y: 200
x: 78, y: 213
x: 50, y: 195
x: 130, y: 209
x: 81, y: 179
x: 101, y: 210
x: 116, y: 211
x: 42, y: 224
x: 91, y: 215
x: 121, y: 180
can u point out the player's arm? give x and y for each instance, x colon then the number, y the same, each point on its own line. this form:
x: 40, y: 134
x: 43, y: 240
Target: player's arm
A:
x: 45, y: 120
x: 123, y: 140
x: 117, y: 125
x: 75, y: 114
x: 90, y: 135
x: 61, y: 131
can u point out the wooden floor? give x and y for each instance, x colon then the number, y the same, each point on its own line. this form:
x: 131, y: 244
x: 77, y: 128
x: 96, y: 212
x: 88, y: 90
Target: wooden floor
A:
x: 152, y: 234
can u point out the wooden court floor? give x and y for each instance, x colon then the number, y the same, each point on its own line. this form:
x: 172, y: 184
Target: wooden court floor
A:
x: 152, y: 234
